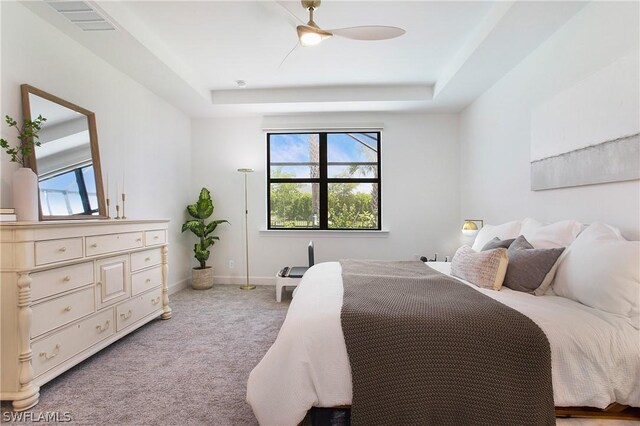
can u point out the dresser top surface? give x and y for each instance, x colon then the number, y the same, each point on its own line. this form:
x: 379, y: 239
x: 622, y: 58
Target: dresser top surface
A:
x: 77, y: 223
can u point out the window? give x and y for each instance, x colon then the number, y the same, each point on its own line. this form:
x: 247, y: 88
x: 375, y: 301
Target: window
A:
x: 65, y: 193
x: 323, y: 180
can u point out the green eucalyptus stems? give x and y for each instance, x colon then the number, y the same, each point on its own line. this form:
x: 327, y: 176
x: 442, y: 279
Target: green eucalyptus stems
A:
x: 28, y: 137
x: 200, y: 211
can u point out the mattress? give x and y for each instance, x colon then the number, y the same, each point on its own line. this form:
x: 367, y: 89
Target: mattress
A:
x: 595, y: 355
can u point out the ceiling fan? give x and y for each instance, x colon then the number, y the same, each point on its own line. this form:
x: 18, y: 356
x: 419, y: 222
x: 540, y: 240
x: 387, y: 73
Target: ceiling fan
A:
x: 310, y: 34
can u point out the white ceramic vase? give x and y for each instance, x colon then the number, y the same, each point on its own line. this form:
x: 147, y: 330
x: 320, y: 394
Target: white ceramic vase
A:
x: 25, y: 194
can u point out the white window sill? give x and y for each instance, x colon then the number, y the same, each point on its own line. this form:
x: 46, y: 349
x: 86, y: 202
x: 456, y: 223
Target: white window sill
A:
x: 356, y: 233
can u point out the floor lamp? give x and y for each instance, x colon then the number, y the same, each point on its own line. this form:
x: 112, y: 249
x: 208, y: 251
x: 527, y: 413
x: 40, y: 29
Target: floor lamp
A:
x: 246, y: 229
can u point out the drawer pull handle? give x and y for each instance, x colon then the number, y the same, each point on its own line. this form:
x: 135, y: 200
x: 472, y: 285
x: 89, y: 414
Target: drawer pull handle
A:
x: 138, y: 240
x: 53, y: 354
x: 94, y: 245
x: 66, y: 279
x: 102, y: 329
x: 156, y: 237
x: 147, y: 259
x: 62, y: 249
x: 155, y: 301
x: 127, y: 316
x: 148, y: 280
x: 67, y: 309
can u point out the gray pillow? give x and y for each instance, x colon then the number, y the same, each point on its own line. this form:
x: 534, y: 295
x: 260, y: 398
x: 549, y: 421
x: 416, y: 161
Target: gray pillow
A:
x: 497, y: 243
x: 528, y: 266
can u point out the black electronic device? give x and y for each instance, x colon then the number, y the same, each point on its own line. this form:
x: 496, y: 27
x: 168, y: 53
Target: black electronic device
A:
x: 435, y: 258
x: 298, y: 271
x: 284, y: 272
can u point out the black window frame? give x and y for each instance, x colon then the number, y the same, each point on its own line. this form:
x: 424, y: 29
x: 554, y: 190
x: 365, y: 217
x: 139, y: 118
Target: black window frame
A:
x: 324, y: 181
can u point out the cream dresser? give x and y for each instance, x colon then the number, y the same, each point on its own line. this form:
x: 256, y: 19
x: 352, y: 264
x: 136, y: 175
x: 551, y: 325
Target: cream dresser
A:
x: 70, y: 288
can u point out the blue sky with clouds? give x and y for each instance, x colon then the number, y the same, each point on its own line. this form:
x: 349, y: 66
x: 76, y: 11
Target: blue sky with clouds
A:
x: 55, y: 201
x: 291, y: 148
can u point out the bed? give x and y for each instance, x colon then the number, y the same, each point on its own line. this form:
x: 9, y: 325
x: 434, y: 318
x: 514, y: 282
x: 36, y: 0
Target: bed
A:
x: 595, y: 354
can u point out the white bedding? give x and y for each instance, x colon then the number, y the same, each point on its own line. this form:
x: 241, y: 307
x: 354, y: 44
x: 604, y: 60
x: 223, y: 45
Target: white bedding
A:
x: 595, y: 355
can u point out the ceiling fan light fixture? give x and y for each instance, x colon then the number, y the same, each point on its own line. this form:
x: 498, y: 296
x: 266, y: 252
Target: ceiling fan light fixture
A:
x: 310, y: 36
x: 310, y: 39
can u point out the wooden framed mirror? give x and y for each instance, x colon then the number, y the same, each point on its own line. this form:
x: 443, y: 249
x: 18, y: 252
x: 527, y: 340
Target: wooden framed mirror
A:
x: 68, y: 161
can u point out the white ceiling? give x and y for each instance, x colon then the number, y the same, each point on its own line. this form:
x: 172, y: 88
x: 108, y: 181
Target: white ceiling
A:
x: 192, y: 52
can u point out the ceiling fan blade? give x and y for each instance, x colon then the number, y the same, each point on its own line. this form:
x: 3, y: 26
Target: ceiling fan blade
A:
x: 290, y: 52
x: 369, y: 32
x: 293, y: 15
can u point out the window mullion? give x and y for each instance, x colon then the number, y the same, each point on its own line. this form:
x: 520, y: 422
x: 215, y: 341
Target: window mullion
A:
x: 324, y: 199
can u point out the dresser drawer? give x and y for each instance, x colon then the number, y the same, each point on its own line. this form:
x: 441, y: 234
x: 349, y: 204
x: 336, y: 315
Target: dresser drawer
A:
x: 62, y: 345
x: 146, y: 280
x: 145, y: 259
x: 54, y: 281
x: 138, y: 307
x: 152, y: 238
x: 100, y: 244
x: 58, y: 250
x: 62, y: 310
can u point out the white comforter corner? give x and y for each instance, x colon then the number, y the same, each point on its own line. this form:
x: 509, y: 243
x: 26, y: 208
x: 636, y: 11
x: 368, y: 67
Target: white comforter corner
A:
x: 595, y: 355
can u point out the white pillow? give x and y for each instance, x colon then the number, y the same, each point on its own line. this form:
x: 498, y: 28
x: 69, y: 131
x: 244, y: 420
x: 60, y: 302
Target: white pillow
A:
x: 489, y: 232
x: 554, y: 235
x: 602, y: 270
x: 547, y: 236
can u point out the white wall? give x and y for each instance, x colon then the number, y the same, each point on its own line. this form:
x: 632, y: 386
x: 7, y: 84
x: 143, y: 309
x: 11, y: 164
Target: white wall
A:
x: 420, y: 201
x: 140, y: 135
x: 495, y: 131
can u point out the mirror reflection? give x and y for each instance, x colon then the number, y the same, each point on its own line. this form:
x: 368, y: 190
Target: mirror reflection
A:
x: 65, y: 162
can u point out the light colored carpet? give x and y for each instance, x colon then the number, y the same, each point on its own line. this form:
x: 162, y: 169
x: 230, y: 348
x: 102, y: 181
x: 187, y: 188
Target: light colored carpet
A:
x: 189, y: 370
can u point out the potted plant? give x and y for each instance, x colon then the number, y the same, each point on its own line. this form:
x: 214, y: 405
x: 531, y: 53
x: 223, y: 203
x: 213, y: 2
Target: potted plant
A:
x: 25, y: 181
x: 202, y: 276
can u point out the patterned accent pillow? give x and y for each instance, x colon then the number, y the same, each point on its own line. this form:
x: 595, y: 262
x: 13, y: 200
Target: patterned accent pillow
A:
x: 498, y: 243
x: 528, y: 267
x: 485, y: 269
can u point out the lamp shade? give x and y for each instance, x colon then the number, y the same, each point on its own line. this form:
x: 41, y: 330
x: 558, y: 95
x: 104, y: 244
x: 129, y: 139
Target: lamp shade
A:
x: 470, y: 227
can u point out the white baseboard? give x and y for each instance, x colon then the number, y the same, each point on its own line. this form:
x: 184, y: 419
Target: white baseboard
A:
x: 235, y: 280
x: 176, y: 287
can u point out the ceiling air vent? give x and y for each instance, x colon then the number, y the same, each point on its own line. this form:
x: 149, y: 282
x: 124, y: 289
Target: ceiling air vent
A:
x: 82, y: 15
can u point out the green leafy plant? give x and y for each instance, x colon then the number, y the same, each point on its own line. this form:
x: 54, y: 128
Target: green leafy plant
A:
x: 28, y: 137
x: 200, y: 211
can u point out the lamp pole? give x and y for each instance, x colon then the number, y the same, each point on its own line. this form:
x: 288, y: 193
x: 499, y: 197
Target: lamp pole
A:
x: 246, y: 229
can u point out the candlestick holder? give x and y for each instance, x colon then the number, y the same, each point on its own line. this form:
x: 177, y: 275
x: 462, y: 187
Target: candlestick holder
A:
x: 123, y: 216
x: 117, y: 211
x: 108, y: 209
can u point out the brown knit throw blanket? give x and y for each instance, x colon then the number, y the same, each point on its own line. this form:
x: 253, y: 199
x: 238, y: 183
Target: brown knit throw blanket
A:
x: 426, y: 349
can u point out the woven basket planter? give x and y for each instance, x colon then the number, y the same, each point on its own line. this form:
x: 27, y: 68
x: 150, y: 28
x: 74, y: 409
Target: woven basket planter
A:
x: 202, y: 279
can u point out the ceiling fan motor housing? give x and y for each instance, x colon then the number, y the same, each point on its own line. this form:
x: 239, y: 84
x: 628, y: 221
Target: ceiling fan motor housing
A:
x: 310, y: 3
